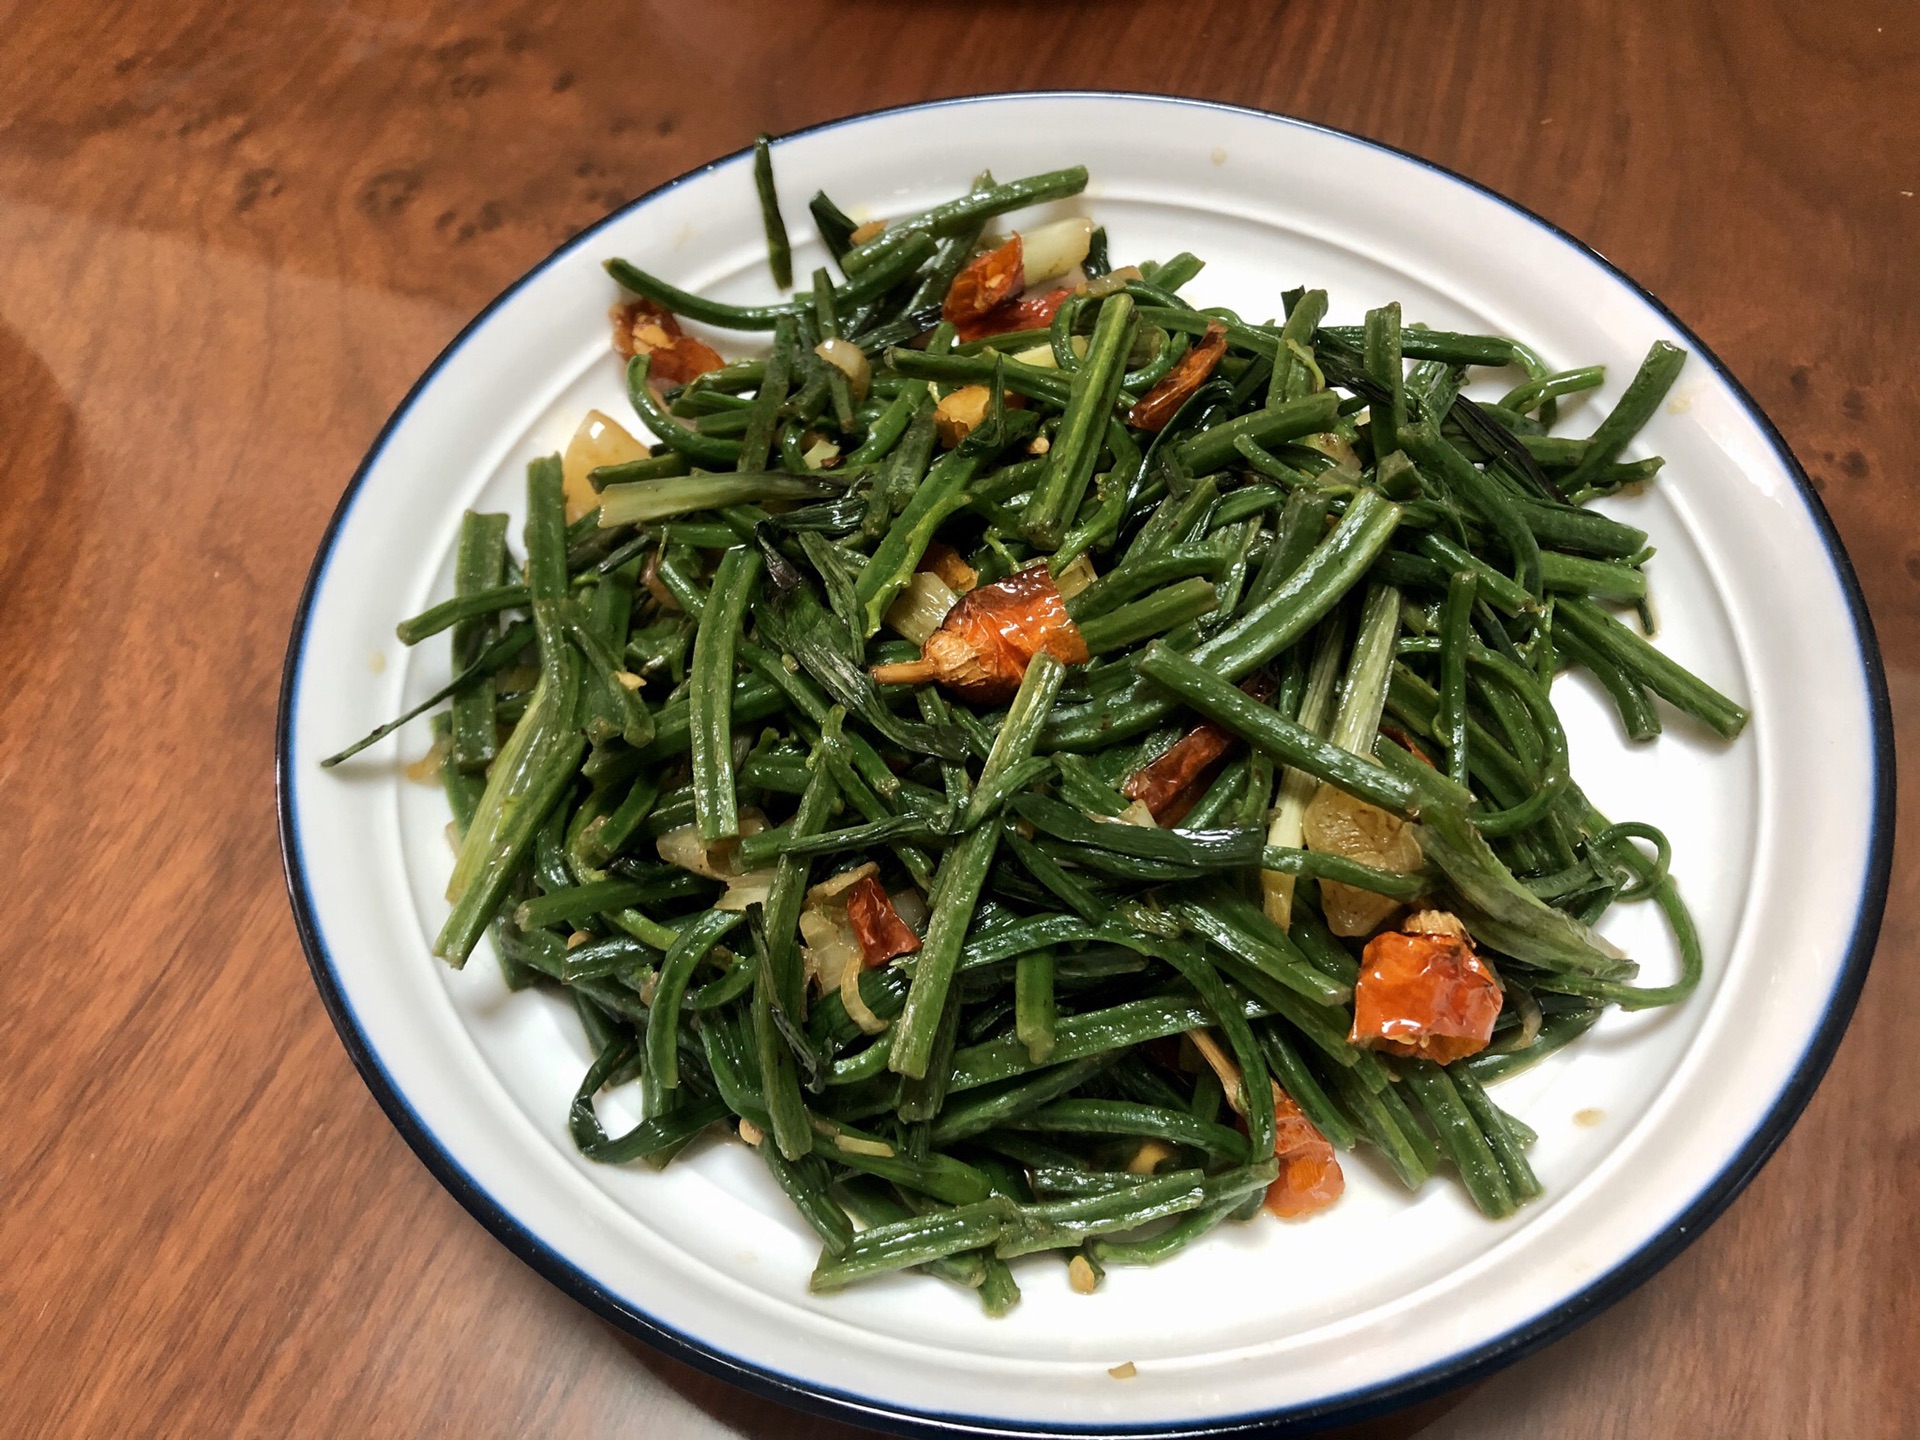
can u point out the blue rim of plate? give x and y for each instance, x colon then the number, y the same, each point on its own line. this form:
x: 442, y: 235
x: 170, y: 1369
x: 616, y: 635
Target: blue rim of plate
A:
x: 1352, y: 1406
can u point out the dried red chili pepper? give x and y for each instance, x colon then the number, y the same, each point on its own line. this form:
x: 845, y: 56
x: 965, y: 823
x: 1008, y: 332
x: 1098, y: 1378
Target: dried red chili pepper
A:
x: 641, y: 327
x: 984, y: 282
x: 877, y: 925
x: 1424, y: 992
x: 982, y: 648
x: 1169, y: 784
x: 1162, y: 782
x: 1155, y: 408
x: 1310, y: 1176
x: 1028, y: 312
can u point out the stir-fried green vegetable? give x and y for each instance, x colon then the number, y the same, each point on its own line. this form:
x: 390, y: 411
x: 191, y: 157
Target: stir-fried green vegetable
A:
x: 997, y: 747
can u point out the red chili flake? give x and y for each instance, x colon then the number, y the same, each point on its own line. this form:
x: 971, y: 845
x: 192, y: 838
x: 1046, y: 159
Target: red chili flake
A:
x: 1310, y: 1175
x: 877, y: 925
x: 984, y: 282
x: 1189, y: 373
x: 1424, y: 992
x: 1029, y: 312
x: 640, y: 327
x: 982, y: 648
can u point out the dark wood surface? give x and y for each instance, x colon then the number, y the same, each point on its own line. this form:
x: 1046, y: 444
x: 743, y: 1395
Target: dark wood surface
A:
x: 232, y: 233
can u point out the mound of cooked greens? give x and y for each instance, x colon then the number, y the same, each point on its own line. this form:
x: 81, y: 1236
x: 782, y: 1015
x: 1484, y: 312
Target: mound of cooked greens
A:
x: 1050, y: 765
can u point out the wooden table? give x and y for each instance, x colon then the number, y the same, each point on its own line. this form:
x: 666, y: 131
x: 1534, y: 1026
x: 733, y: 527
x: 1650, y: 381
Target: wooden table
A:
x: 230, y: 237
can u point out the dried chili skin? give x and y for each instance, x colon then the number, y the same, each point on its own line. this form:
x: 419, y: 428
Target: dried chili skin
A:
x: 1028, y: 312
x: 1425, y: 994
x: 1170, y: 783
x: 983, y: 646
x: 1193, y: 369
x: 877, y: 925
x: 1161, y: 783
x: 644, y: 328
x: 984, y: 282
x: 981, y: 650
x: 1310, y: 1176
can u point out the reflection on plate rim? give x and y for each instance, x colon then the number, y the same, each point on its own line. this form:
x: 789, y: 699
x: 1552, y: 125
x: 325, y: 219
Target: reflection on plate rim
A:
x: 1343, y: 1408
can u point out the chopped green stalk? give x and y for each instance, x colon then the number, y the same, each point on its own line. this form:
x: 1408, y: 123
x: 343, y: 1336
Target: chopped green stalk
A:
x: 779, y: 252
x: 1152, y: 615
x: 1668, y: 679
x: 1168, y: 1242
x: 1214, y: 449
x: 699, y: 448
x: 646, y: 500
x: 1294, y: 373
x: 436, y: 618
x: 957, y: 885
x: 1033, y: 1004
x: 711, y: 694
x: 756, y: 444
x: 480, y: 566
x: 1502, y: 1132
x: 1456, y: 622
x: 1643, y: 395
x: 1298, y: 787
x: 1083, y: 425
x: 1442, y: 345
x: 1382, y: 349
x: 1363, y: 695
x: 662, y: 1049
x: 970, y: 209
x: 792, y: 871
x: 1461, y: 1138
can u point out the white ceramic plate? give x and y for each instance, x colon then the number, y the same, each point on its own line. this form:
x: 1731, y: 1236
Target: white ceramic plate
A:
x: 1647, y: 1128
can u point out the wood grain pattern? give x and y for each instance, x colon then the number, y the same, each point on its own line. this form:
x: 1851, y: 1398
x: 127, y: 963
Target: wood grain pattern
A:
x: 231, y: 234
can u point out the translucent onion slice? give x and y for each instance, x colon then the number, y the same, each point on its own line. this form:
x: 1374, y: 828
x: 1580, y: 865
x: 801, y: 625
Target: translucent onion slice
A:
x: 1050, y: 251
x: 851, y: 361
x: 600, y: 440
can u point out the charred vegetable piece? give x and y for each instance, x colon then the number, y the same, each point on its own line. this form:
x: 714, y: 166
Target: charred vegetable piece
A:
x: 946, y: 562
x: 1423, y: 992
x: 1339, y: 824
